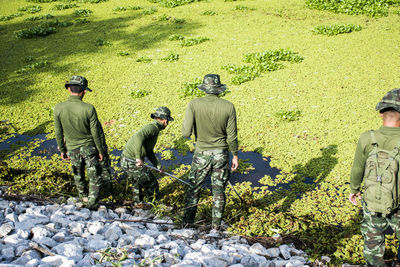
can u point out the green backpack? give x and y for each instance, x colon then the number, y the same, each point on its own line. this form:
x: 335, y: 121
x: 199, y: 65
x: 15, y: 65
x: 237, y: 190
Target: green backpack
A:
x: 381, y: 181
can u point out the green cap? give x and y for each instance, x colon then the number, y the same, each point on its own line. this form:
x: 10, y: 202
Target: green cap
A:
x: 78, y: 80
x: 390, y: 100
x: 163, y: 113
x: 212, y: 84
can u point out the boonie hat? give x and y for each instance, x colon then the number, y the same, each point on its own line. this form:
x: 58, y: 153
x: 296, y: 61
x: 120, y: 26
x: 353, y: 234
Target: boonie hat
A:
x: 212, y: 84
x: 390, y: 100
x: 163, y: 113
x: 78, y: 80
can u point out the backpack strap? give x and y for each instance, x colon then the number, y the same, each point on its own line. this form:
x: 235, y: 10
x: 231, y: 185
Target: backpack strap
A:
x: 379, y: 171
x: 373, y: 139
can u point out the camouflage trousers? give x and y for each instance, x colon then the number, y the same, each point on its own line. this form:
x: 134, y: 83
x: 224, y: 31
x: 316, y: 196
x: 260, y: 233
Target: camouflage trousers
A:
x: 373, y: 227
x: 144, y: 183
x: 204, y: 163
x: 81, y: 157
x: 106, y: 180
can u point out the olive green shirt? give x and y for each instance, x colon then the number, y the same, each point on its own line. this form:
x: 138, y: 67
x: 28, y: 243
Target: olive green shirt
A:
x: 213, y: 122
x: 142, y: 143
x: 77, y: 122
x: 386, y: 137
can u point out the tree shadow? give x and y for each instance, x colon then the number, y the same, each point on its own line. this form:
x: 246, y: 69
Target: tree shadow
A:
x: 78, y: 40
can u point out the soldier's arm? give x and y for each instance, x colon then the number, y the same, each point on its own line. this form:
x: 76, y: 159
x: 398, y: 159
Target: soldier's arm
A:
x: 140, y: 139
x: 59, y: 132
x: 95, y: 131
x: 357, y: 171
x: 188, y: 122
x: 231, y: 131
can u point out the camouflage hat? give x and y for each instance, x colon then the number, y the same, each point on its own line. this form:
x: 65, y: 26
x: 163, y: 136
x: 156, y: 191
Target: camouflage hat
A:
x: 163, y: 113
x: 212, y: 84
x: 78, y: 80
x: 390, y: 100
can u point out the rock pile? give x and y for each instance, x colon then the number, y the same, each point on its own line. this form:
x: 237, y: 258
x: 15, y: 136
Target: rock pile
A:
x: 68, y: 235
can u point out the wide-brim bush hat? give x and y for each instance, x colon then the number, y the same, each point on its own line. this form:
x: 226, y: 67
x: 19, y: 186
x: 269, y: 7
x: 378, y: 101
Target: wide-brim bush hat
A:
x: 78, y: 80
x: 163, y: 113
x: 212, y: 84
x: 390, y: 100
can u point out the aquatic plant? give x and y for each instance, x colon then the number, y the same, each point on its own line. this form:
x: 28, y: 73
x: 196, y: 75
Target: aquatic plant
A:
x: 64, y: 6
x: 10, y: 17
x: 41, y: 17
x: 30, y: 9
x: 336, y: 29
x: 208, y: 13
x: 149, y: 11
x: 83, y: 12
x: 101, y: 42
x: 139, y: 93
x: 36, y: 65
x: 144, y: 59
x: 172, y: 3
x: 171, y: 57
x: 193, y: 41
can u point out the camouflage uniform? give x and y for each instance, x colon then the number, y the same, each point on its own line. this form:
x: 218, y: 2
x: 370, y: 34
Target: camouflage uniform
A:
x: 203, y: 163
x: 76, y: 129
x: 139, y: 146
x: 374, y: 224
x: 213, y: 122
x: 105, y: 165
x: 143, y: 181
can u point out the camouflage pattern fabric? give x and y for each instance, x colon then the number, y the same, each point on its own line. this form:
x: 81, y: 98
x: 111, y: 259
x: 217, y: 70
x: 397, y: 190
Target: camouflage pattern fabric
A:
x: 106, y: 179
x: 144, y: 184
x: 390, y: 100
x: 79, y: 158
x: 373, y: 227
x: 203, y: 163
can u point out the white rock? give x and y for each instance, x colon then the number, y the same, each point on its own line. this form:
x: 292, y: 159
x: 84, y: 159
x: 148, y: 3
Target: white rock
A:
x: 32, y: 263
x: 223, y: 255
x: 76, y: 228
x: 12, y: 217
x: 125, y: 240
x: 193, y: 256
x: 27, y: 257
x: 58, y: 261
x: 299, y: 258
x: 249, y: 261
x: 285, y: 251
x: 6, y: 228
x: 170, y: 245
x: 243, y: 249
x: 212, y: 261
x: 39, y: 231
x: 273, y: 252
x: 94, y: 227
x: 24, y: 234
x: 97, y: 244
x: 145, y: 241
x: 198, y: 244
x: 161, y: 238
x: 14, y: 239
x: 258, y: 249
x: 8, y: 253
x: 171, y: 259
x: 60, y: 218
x: 281, y: 263
x: 187, y: 263
x: 59, y: 237
x: 83, y: 213
x: 113, y: 233
x: 153, y: 233
x: 259, y: 259
x: 70, y: 250
x: 178, y: 251
x: 207, y: 248
x: 44, y: 240
x: 184, y: 233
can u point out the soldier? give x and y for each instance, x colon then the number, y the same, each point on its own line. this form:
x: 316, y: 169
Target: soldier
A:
x: 76, y: 122
x: 376, y: 216
x: 139, y: 146
x: 213, y: 122
x: 105, y: 165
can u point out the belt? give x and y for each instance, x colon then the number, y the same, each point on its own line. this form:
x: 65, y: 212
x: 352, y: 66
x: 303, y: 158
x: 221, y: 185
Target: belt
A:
x: 212, y: 152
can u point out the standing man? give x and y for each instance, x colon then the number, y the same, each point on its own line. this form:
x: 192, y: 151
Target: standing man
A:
x: 105, y: 164
x: 213, y: 122
x: 77, y: 124
x: 376, y: 164
x: 139, y: 146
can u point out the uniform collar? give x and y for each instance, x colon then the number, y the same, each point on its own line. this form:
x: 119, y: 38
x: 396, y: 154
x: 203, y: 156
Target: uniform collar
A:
x: 390, y: 129
x: 74, y: 97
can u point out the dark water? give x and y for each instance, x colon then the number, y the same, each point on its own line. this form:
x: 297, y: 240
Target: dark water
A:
x: 260, y: 164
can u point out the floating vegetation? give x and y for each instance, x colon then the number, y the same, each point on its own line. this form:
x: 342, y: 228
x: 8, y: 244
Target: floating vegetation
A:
x: 175, y: 37
x: 37, y: 65
x: 143, y: 59
x: 139, y: 93
x: 83, y: 12
x: 288, y: 115
x: 208, y: 13
x: 190, y: 89
x: 370, y: 8
x: 336, y: 29
x: 82, y: 21
x: 102, y: 42
x: 30, y: 9
x: 171, y: 57
x: 165, y: 17
x: 259, y: 63
x: 149, y: 11
x: 10, y: 17
x: 41, y: 1
x: 90, y: 1
x: 244, y: 8
x: 172, y: 3
x: 123, y: 53
x: 122, y: 8
x: 41, y: 30
x: 193, y: 41
x: 64, y: 6
x: 41, y: 17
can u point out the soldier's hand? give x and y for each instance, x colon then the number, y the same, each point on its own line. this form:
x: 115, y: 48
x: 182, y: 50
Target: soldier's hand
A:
x: 139, y: 163
x: 101, y: 157
x: 162, y: 170
x: 353, y: 198
x: 64, y: 156
x: 235, y: 163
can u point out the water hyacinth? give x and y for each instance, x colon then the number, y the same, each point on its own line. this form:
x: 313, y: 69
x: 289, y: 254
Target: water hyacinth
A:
x: 336, y: 29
